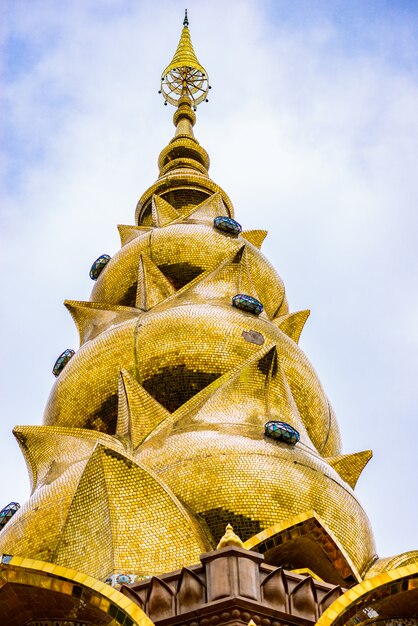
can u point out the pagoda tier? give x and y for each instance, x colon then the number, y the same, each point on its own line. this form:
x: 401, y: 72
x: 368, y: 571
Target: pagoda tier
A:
x: 190, y: 405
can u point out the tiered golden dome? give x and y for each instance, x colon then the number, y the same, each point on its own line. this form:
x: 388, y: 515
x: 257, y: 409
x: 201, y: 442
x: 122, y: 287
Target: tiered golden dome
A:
x: 153, y: 437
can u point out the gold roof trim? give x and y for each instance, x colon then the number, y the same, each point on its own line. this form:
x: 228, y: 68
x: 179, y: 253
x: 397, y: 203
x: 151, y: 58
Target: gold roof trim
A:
x: 34, y: 574
x: 357, y: 597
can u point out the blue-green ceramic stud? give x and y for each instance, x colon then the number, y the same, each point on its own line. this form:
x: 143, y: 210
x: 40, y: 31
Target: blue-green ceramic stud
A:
x: 123, y: 579
x: 280, y: 431
x: 247, y: 303
x: 7, y: 513
x: 98, y: 266
x: 227, y: 224
x: 62, y: 361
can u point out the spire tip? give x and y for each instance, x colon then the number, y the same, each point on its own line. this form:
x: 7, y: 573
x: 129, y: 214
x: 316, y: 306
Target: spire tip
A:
x: 184, y: 77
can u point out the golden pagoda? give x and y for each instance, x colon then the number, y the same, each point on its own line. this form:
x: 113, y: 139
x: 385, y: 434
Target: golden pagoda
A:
x: 190, y: 407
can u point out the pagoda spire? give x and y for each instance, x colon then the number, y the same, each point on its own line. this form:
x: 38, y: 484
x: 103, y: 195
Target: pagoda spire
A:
x: 183, y: 164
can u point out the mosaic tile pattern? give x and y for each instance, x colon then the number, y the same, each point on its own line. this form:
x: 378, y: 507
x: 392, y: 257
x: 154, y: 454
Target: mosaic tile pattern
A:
x: 96, y: 509
x: 153, y: 432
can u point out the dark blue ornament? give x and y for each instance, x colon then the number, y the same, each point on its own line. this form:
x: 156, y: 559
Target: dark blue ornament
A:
x: 281, y: 432
x: 7, y: 513
x: 227, y: 224
x: 62, y: 361
x: 247, y: 303
x: 98, y: 266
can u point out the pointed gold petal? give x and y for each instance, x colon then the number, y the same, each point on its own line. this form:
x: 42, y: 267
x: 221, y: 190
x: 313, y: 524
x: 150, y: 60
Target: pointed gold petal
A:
x: 292, y: 323
x: 256, y: 237
x: 69, y: 445
x: 249, y: 395
x: 153, y: 286
x: 128, y: 232
x: 113, y: 517
x: 93, y: 318
x: 138, y: 412
x: 350, y: 466
x: 228, y: 279
x: 190, y: 407
x: 208, y: 209
x: 279, y: 399
x: 88, y: 519
x: 162, y: 212
x: 56, y: 458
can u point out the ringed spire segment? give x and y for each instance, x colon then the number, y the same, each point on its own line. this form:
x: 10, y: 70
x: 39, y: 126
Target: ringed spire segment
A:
x: 184, y: 76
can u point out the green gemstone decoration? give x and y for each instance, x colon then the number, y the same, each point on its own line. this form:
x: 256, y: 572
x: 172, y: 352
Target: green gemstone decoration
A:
x: 7, y: 513
x: 227, y: 224
x: 98, y: 266
x: 62, y: 361
x: 281, y: 431
x: 247, y: 303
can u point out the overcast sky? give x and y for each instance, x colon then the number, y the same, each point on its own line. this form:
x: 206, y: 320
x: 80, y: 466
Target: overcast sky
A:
x: 312, y: 130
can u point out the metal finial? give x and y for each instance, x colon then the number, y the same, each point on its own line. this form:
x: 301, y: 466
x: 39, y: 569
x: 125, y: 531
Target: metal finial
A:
x: 184, y: 77
x: 229, y: 539
x: 185, y: 21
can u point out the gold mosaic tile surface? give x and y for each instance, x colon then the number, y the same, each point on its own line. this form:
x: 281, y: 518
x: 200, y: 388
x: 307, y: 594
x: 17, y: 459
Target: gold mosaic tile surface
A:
x: 97, y: 510
x: 153, y: 436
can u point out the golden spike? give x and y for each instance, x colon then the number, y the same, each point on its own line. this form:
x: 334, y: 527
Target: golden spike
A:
x: 128, y: 232
x: 93, y: 318
x: 89, y: 519
x: 207, y: 210
x: 138, y: 412
x: 115, y: 497
x: 229, y: 278
x: 256, y: 237
x: 350, y: 466
x: 36, y: 443
x: 250, y: 395
x: 184, y: 55
x: 162, y: 212
x: 153, y: 286
x: 279, y: 399
x: 292, y: 323
x: 229, y: 539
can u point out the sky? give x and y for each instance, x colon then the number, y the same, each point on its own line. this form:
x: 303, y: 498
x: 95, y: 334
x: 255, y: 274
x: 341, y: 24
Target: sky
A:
x: 312, y: 130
